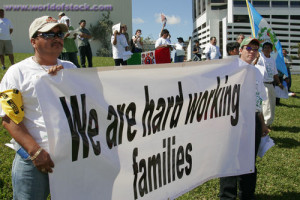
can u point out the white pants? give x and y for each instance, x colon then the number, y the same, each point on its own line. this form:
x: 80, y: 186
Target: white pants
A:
x: 268, y: 106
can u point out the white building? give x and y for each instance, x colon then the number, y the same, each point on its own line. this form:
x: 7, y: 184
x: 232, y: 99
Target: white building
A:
x: 22, y: 13
x: 226, y: 19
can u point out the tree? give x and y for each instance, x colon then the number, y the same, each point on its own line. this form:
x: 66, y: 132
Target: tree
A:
x: 101, y: 32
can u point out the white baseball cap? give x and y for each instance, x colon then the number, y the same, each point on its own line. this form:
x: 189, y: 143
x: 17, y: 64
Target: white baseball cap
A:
x: 45, y: 24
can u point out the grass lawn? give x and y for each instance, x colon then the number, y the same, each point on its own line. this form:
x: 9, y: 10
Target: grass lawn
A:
x: 278, y: 170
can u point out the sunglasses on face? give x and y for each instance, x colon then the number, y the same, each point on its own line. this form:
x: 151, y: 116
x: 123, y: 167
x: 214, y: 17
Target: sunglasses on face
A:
x: 248, y: 48
x: 51, y: 35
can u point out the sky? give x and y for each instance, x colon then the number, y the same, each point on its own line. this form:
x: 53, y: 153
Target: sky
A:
x: 146, y: 16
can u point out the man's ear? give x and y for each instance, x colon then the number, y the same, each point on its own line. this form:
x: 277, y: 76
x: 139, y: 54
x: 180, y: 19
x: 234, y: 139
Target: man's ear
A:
x: 32, y: 41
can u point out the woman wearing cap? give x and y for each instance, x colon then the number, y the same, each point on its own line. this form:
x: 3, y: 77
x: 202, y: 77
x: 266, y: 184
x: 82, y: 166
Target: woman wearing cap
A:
x: 180, y: 53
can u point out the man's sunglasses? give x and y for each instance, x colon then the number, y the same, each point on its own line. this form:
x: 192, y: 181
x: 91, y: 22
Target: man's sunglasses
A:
x: 51, y: 35
x: 248, y: 48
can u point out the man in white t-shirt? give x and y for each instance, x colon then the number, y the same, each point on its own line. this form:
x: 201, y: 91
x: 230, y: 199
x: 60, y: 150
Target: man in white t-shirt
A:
x: 119, y: 46
x: 163, y: 41
x: 6, y: 48
x: 212, y: 51
x: 21, y: 113
x: 247, y: 182
x: 267, y: 66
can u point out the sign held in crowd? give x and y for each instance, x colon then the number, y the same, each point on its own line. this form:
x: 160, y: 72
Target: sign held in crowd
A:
x: 147, y: 132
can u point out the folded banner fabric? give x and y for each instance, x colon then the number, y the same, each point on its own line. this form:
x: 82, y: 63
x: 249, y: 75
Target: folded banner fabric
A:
x: 147, y: 132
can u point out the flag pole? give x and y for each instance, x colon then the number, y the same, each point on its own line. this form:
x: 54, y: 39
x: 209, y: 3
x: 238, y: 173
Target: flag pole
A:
x: 250, y: 17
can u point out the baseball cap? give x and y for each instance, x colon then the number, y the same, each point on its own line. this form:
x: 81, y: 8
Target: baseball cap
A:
x: 247, y: 40
x: 180, y: 38
x: 45, y: 24
x: 61, y: 13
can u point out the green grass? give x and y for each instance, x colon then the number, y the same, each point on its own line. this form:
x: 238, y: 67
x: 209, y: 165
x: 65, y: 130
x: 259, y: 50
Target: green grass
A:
x: 278, y: 170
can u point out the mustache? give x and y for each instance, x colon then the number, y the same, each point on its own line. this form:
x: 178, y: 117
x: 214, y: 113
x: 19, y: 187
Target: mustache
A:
x: 54, y: 43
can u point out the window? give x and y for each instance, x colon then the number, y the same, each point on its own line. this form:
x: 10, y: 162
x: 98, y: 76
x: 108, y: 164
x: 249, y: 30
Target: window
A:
x: 239, y: 3
x: 280, y: 4
x: 241, y: 18
x: 219, y: 7
x: 261, y: 3
x: 295, y: 16
x: 279, y: 29
x: 280, y: 16
x: 280, y: 23
x: 195, y: 13
x: 199, y: 8
x: 203, y: 5
x: 218, y: 1
x: 282, y: 35
x: 295, y: 4
x: 204, y: 25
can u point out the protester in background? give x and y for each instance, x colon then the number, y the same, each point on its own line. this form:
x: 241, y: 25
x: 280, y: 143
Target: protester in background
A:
x: 232, y: 48
x: 247, y: 182
x: 240, y: 38
x: 197, y: 51
x: 288, y: 63
x: 60, y: 15
x: 27, y: 127
x: 69, y: 51
x: 124, y: 32
x: 6, y: 47
x: 84, y: 45
x: 180, y: 50
x: 119, y: 46
x: 163, y: 41
x: 266, y: 64
x: 137, y: 42
x: 212, y: 51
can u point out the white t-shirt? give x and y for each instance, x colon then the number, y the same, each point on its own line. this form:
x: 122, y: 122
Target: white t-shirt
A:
x: 161, y: 41
x: 260, y: 87
x: 5, y: 26
x: 179, y: 49
x: 213, y: 51
x: 137, y: 44
x: 119, y: 49
x: 23, y: 76
x: 267, y: 67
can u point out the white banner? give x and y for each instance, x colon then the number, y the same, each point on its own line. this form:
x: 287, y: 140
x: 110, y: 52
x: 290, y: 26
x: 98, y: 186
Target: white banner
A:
x: 149, y: 132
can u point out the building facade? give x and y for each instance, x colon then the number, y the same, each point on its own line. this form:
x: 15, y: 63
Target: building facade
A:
x: 22, y: 13
x: 226, y: 19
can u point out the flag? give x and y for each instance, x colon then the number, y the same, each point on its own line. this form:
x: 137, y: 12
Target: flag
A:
x: 163, y: 19
x: 264, y: 33
x: 158, y: 56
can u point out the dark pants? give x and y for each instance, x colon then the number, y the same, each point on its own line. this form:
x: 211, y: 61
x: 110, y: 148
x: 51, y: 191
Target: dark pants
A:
x: 178, y: 58
x: 290, y: 79
x: 70, y: 56
x: 85, y: 51
x: 118, y: 62
x: 246, y: 182
x: 137, y: 50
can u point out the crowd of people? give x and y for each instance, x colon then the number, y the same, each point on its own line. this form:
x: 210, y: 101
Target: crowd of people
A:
x: 51, y: 40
